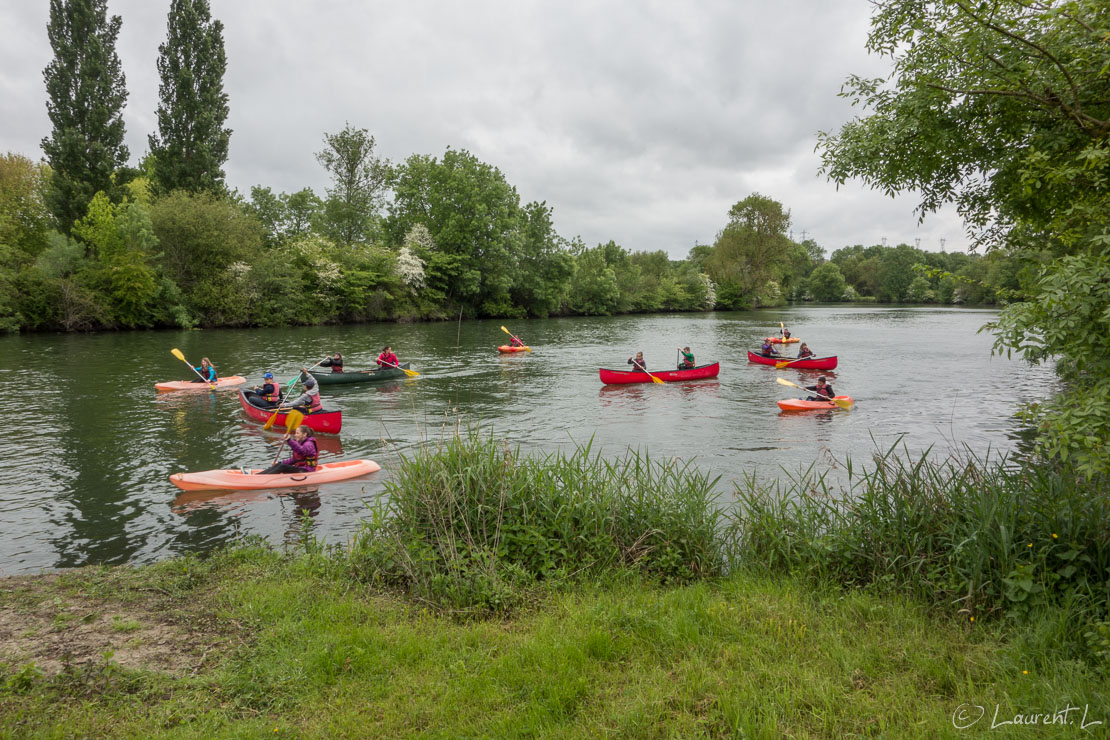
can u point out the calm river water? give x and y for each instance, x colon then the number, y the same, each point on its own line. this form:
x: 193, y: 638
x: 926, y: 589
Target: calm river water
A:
x: 83, y: 473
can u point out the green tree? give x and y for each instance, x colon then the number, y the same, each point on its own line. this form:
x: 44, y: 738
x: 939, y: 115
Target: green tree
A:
x: 473, y: 216
x: 191, y: 145
x: 826, y: 283
x: 544, y: 267
x: 359, y: 181
x: 751, y: 250
x: 24, y: 217
x: 86, y: 92
x: 1004, y: 110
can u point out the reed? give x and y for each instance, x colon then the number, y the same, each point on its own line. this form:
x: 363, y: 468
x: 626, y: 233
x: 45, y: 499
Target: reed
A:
x: 468, y: 522
x: 970, y: 534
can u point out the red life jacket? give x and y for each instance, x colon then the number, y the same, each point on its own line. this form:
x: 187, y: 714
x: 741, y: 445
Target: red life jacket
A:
x: 389, y: 360
x: 314, y: 404
x: 273, y: 395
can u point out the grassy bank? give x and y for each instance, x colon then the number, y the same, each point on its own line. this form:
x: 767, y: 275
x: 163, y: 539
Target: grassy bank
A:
x: 286, y: 646
x: 495, y: 594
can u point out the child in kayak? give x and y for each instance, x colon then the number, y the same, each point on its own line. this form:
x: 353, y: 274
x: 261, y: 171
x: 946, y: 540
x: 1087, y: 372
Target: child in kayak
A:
x: 207, y: 372
x: 638, y: 362
x: 768, y: 349
x: 804, y: 351
x: 785, y: 333
x: 387, y: 358
x: 305, y: 453
x: 335, y: 362
x: 516, y: 341
x: 265, y: 396
x: 687, y: 361
x: 823, y: 391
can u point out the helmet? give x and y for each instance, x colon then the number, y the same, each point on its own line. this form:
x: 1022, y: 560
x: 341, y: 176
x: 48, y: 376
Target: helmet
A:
x: 269, y: 376
x: 310, y: 383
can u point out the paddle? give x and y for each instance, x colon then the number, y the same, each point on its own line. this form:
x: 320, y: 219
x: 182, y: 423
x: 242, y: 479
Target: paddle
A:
x: 781, y: 365
x: 653, y: 378
x: 840, y: 402
x: 177, y: 353
x: 782, y: 330
x: 292, y: 420
x: 281, y: 399
x: 410, y: 373
x: 514, y: 336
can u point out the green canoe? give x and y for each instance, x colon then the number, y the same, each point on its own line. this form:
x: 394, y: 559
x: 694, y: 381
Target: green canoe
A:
x: 327, y: 377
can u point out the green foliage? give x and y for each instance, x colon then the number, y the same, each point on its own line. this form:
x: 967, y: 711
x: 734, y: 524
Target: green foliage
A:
x: 24, y: 218
x: 968, y: 536
x: 826, y: 283
x: 86, y: 94
x: 593, y: 289
x: 751, y: 252
x: 191, y: 144
x: 358, y: 183
x: 466, y: 524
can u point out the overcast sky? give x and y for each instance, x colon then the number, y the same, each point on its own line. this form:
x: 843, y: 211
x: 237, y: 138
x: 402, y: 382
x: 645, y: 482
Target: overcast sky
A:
x: 638, y: 122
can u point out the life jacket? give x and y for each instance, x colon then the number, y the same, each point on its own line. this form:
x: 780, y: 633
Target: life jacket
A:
x: 314, y: 404
x: 306, y: 460
x: 687, y: 361
x: 211, y: 373
x: 768, y: 348
x: 388, y: 360
x: 337, y: 368
x: 270, y: 392
x: 807, y: 353
x: 514, y: 342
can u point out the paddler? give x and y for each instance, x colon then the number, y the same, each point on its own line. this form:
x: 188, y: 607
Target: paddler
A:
x: 335, y: 362
x: 823, y: 391
x: 387, y: 358
x: 638, y: 362
x: 768, y: 349
x: 305, y: 453
x: 309, y: 401
x: 207, y: 372
x: 804, y: 351
x: 687, y: 360
x: 265, y: 396
x: 515, y: 341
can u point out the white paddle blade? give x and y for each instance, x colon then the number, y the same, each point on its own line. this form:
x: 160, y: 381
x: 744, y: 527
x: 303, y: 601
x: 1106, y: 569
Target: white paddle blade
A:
x: 784, y: 381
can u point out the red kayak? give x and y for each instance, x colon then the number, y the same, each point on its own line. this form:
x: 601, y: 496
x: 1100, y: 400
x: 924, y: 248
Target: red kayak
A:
x: 237, y: 480
x: 321, y: 421
x: 188, y: 385
x: 810, y: 363
x: 617, y: 377
x: 506, y: 349
x: 797, y: 404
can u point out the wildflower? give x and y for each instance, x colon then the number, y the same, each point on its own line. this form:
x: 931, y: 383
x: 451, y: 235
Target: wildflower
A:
x: 1054, y: 536
x: 1029, y: 545
x: 973, y: 619
x: 1025, y: 673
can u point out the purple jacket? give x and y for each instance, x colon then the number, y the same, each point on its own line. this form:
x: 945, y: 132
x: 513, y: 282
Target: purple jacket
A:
x: 304, y: 454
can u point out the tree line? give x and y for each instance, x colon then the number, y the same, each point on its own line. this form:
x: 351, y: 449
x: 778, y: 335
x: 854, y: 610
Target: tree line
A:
x: 89, y: 242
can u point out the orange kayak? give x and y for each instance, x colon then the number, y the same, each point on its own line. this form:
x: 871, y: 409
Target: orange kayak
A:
x: 797, y: 404
x: 237, y: 480
x: 780, y: 340
x: 187, y: 385
x: 506, y: 349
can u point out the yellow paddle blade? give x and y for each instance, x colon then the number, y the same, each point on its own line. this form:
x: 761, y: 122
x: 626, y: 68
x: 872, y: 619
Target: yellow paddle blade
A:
x: 781, y: 365
x: 506, y: 331
x: 293, y: 420
x: 270, y: 422
x: 177, y: 353
x: 784, y: 381
x: 842, y: 403
x: 527, y: 349
x: 656, y: 380
x: 410, y: 373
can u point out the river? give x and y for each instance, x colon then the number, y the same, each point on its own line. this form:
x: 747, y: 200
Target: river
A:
x: 85, y: 464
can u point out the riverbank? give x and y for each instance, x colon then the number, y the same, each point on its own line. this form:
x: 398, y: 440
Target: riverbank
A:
x: 251, y: 642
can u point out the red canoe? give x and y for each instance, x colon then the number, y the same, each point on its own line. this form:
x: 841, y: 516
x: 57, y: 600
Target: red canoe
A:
x: 811, y: 363
x: 616, y: 377
x: 798, y: 404
x: 322, y: 421
x: 506, y: 349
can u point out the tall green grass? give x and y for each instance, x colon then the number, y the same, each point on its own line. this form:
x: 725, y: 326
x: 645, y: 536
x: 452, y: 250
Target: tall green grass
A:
x: 467, y: 523
x: 978, y: 536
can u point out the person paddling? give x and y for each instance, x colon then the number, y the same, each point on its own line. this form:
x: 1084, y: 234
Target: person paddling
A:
x: 638, y: 362
x: 387, y: 358
x: 335, y: 362
x: 515, y: 341
x: 309, y: 401
x: 785, y: 333
x: 687, y: 361
x: 265, y: 396
x: 207, y: 372
x: 768, y: 349
x: 302, y: 444
x: 804, y: 351
x: 823, y: 390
